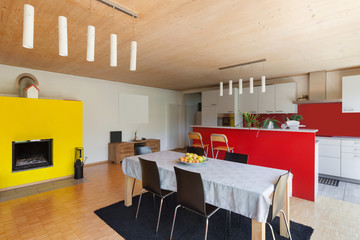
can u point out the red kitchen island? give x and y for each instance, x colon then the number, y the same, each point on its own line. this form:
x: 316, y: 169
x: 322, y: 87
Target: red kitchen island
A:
x: 275, y: 148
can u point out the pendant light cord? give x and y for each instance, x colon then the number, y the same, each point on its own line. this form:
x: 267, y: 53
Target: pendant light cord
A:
x: 133, y: 27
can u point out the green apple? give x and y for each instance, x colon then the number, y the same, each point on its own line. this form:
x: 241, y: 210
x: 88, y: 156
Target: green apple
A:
x: 201, y: 159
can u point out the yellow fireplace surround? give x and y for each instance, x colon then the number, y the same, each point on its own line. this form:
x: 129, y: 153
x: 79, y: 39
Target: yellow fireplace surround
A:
x: 26, y: 119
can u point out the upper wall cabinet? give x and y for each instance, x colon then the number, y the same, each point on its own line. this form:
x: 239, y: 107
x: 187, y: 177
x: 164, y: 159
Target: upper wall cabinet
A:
x: 350, y: 94
x: 248, y: 102
x: 285, y: 94
x: 209, y: 98
x: 266, y: 100
x: 228, y: 103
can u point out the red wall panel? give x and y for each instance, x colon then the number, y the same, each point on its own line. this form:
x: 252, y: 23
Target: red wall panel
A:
x: 329, y: 119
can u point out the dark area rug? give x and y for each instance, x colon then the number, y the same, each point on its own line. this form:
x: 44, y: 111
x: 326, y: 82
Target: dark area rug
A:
x: 188, y: 225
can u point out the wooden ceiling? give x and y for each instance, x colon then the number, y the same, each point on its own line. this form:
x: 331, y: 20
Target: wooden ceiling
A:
x: 182, y: 43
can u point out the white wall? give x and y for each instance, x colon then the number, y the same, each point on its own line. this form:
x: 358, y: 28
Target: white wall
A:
x: 101, y: 108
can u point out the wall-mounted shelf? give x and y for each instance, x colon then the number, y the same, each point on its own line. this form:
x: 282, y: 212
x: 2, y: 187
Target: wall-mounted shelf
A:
x: 318, y: 101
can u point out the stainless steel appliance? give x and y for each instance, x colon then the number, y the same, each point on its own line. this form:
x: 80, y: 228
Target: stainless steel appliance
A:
x: 226, y: 119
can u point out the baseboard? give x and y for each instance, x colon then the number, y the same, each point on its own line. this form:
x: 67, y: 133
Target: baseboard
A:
x: 34, y: 183
x: 340, y: 178
x: 95, y: 163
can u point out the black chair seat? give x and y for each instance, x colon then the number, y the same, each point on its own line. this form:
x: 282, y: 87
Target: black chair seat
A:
x: 165, y: 192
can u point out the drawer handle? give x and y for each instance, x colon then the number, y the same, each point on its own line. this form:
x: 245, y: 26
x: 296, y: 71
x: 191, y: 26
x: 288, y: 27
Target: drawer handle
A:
x: 278, y: 110
x: 348, y: 109
x: 357, y: 156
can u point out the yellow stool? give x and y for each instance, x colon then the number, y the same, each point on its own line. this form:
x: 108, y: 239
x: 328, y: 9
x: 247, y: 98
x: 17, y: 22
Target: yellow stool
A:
x: 220, y: 138
x: 197, y: 136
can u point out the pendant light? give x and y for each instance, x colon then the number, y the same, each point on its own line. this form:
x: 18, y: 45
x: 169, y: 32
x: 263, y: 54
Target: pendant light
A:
x: 251, y: 85
x: 240, y: 86
x: 28, y: 27
x: 133, y: 50
x: 90, y: 55
x: 63, y: 39
x: 230, y: 87
x: 263, y: 84
x: 221, y: 89
x: 113, y: 50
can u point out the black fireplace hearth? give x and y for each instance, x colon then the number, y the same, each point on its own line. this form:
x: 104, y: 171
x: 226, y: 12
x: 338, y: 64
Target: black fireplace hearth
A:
x: 31, y: 154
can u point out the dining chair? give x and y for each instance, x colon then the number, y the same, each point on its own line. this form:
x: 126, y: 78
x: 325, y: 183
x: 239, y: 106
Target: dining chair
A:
x: 138, y: 150
x: 197, y: 136
x: 196, y: 150
x: 151, y: 183
x: 236, y: 157
x: 220, y: 138
x: 278, y: 202
x: 191, y: 196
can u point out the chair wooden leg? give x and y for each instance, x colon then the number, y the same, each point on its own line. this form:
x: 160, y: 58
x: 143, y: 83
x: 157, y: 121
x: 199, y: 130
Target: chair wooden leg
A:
x: 173, y: 224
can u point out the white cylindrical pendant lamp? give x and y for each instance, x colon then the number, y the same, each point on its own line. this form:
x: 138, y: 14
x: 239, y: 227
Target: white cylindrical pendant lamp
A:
x: 28, y: 27
x: 263, y: 84
x: 90, y: 54
x: 113, y: 50
x: 230, y: 87
x: 251, y: 85
x: 221, y: 89
x: 133, y: 56
x: 240, y: 86
x: 63, y: 39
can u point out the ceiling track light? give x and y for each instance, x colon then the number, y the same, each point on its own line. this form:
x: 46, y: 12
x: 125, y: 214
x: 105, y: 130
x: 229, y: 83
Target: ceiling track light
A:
x: 63, y: 37
x: 28, y: 27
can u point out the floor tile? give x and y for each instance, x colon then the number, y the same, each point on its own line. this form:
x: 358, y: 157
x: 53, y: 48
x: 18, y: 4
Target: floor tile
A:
x: 334, y: 192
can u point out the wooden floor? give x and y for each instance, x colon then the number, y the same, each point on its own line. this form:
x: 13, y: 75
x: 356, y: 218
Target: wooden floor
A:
x: 68, y: 213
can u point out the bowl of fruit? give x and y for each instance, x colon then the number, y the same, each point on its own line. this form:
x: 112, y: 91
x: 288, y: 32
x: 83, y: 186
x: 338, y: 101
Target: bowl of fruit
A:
x: 193, y: 159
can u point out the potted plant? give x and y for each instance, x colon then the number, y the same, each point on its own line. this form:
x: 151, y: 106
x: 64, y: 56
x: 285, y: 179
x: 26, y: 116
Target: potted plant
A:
x: 250, y: 120
x: 270, y: 123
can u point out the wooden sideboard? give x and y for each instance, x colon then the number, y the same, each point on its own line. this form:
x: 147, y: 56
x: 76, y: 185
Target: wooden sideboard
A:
x: 118, y: 151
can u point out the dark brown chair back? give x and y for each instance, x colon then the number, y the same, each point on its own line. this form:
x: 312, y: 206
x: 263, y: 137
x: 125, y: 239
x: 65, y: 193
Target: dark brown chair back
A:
x: 279, y: 195
x: 198, y: 151
x: 236, y: 157
x: 150, y: 176
x: 190, y: 190
x: 142, y: 150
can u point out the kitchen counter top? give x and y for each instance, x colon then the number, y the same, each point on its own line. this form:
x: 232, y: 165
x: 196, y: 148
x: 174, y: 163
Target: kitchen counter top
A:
x: 261, y: 129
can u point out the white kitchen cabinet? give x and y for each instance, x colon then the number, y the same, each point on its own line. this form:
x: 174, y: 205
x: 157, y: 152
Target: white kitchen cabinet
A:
x: 350, y: 94
x: 339, y: 156
x: 350, y: 165
x: 248, y: 102
x: 329, y: 156
x: 226, y: 103
x: 209, y: 98
x: 329, y: 165
x: 285, y: 94
x: 266, y: 100
x: 209, y: 116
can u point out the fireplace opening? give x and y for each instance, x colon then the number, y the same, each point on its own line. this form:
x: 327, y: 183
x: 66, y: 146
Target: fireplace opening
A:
x: 31, y: 154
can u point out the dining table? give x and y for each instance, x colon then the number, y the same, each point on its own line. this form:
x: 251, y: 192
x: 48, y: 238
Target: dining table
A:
x: 240, y: 188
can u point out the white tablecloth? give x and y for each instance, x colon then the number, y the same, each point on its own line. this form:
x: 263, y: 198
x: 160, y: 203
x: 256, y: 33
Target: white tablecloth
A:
x: 241, y: 188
